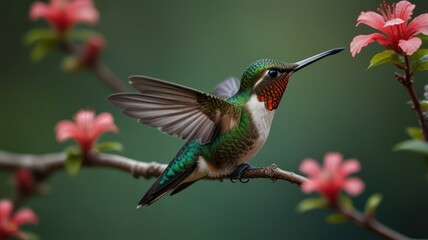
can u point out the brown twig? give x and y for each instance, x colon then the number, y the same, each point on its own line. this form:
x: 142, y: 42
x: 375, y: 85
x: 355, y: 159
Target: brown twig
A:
x: 44, y: 165
x: 407, y: 81
x: 370, y: 223
x: 107, y: 76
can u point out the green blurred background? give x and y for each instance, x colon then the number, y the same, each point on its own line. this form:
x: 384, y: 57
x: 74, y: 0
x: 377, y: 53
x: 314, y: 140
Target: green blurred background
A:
x: 333, y: 105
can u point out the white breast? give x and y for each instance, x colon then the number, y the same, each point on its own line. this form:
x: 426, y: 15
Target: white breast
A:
x: 262, y: 118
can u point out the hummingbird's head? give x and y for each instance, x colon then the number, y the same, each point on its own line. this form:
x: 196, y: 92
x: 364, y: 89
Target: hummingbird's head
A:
x: 268, y: 78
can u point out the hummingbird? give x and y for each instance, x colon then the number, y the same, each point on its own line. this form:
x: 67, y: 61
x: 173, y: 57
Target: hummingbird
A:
x: 224, y: 130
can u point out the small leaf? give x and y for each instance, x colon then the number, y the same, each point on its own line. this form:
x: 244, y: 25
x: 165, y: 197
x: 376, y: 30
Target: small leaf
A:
x: 413, y: 145
x: 415, y: 133
x: 346, y: 201
x: 336, y: 218
x: 420, y: 60
x: 40, y: 50
x: 80, y: 34
x: 39, y: 34
x: 73, y: 162
x: 421, y: 53
x: 109, y: 146
x: 311, y: 204
x: 373, y: 202
x: 387, y: 56
x: 423, y: 37
x: 71, y: 64
x: 424, y: 105
x: 30, y: 236
x: 72, y: 150
x: 424, y: 58
x: 423, y: 66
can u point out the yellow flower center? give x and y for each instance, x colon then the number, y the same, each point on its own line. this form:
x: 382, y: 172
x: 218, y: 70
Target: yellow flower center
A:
x: 9, y: 227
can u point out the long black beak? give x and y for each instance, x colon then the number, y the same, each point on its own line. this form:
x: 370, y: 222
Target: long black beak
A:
x: 305, y: 62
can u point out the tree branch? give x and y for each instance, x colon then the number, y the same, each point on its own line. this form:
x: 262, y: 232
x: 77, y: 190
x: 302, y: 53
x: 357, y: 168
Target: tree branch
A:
x: 107, y: 76
x: 45, y: 164
x: 370, y: 223
x: 408, y: 83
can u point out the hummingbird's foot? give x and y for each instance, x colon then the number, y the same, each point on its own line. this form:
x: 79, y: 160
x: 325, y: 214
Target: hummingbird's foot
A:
x: 241, y: 169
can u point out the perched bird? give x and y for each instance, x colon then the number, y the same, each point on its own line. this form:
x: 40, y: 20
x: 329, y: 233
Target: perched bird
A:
x: 223, y: 130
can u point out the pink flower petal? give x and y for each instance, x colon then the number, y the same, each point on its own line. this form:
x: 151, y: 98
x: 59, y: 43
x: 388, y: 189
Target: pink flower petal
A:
x: 62, y: 14
x: 84, y: 116
x: 87, y: 15
x: 393, y: 22
x: 404, y: 10
x: 309, y: 186
x: 86, y: 128
x: 332, y: 161
x: 398, y: 35
x: 418, y: 25
x: 59, y: 3
x: 310, y: 167
x: 350, y: 166
x: 361, y: 41
x: 82, y: 11
x: 23, y: 216
x: 105, y: 121
x: 410, y: 46
x: 371, y: 19
x: 354, y: 186
x: 6, y: 208
x: 38, y: 10
x: 65, y: 130
x: 329, y: 180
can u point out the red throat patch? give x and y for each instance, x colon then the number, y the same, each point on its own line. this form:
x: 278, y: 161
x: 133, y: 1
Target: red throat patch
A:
x: 272, y: 93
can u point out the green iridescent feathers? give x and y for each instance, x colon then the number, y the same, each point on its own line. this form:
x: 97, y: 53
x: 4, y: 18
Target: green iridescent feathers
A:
x: 254, y: 72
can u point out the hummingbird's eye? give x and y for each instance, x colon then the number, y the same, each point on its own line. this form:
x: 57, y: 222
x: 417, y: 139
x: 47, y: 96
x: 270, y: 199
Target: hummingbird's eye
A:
x: 273, y: 73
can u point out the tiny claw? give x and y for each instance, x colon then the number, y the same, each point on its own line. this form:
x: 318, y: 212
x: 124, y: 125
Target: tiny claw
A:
x: 241, y: 170
x: 245, y: 180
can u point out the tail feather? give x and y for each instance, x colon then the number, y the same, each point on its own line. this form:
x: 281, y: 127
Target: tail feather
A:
x: 181, y: 187
x: 178, y: 172
x: 157, y: 190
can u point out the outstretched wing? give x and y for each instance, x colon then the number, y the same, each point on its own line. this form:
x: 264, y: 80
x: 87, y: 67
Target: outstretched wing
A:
x: 227, y: 88
x: 177, y: 110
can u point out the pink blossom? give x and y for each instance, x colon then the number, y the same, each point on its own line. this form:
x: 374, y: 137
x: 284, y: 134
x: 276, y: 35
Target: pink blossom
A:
x: 10, y: 223
x: 24, y: 181
x: 85, y: 129
x: 330, y: 179
x: 92, y: 50
x: 397, y: 33
x: 62, y: 14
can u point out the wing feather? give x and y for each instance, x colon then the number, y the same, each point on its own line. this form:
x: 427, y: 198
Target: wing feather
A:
x: 227, y: 88
x: 177, y: 110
